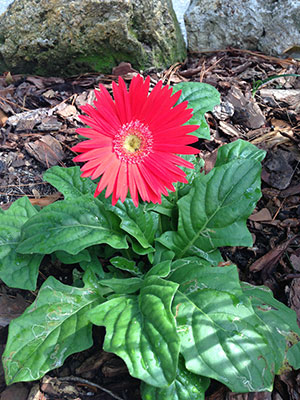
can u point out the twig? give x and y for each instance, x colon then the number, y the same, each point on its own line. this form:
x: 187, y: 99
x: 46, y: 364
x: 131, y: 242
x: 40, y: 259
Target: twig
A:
x: 14, y: 104
x: 85, y: 381
x: 17, y: 194
x: 205, y: 71
x: 279, y: 208
x: 25, y: 184
x: 253, y: 53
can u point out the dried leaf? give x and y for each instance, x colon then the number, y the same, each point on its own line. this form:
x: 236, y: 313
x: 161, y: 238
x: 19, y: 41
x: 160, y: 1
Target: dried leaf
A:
x: 11, y: 308
x: 295, y: 260
x: 262, y: 215
x: 229, y: 129
x: 45, y: 201
x: 272, y: 257
x: 66, y: 110
x: 47, y: 150
x: 3, y: 118
x: 246, y: 111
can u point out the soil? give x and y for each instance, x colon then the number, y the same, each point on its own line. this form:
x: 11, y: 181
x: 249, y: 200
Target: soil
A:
x: 38, y: 120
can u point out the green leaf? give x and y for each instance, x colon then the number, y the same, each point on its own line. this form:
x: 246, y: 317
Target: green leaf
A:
x: 239, y: 149
x: 94, y: 264
x: 191, y: 174
x: 67, y: 258
x: 278, y: 321
x: 165, y: 208
x: 168, y: 205
x: 139, y: 249
x: 52, y: 328
x: 221, y: 336
x: 202, y: 270
x: 126, y: 265
x: 71, y: 226
x: 293, y: 355
x: 162, y: 254
x: 68, y: 182
x: 202, y: 98
x: 17, y: 270
x: 161, y: 269
x: 141, y: 330
x: 123, y: 286
x: 214, y: 212
x: 187, y: 386
x: 136, y: 221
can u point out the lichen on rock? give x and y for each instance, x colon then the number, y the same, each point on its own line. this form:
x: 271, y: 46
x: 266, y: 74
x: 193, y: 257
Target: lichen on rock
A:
x: 68, y: 37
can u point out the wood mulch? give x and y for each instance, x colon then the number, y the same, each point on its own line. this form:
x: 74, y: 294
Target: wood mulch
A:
x: 38, y: 119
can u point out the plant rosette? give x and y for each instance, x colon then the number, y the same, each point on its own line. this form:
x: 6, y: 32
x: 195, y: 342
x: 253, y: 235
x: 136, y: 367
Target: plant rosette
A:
x: 173, y: 310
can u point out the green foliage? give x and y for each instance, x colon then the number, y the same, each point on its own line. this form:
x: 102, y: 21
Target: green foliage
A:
x: 173, y: 315
x: 17, y: 270
x: 53, y: 327
x: 219, y: 329
x: 202, y: 98
x: 186, y: 386
x: 214, y: 212
x: 141, y: 329
x: 260, y: 83
x: 71, y: 226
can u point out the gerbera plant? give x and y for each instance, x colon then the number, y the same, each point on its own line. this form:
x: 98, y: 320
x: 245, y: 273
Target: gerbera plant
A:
x: 144, y: 241
x: 134, y: 141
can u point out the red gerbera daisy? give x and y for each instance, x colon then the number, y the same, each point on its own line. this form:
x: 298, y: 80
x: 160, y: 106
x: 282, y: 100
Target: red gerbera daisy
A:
x: 134, y: 140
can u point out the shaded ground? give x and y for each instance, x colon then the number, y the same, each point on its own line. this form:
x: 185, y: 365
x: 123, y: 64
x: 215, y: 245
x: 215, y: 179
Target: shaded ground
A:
x: 38, y: 118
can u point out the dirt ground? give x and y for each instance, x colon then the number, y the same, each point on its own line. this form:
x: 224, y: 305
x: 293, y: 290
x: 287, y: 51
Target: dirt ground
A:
x: 38, y: 119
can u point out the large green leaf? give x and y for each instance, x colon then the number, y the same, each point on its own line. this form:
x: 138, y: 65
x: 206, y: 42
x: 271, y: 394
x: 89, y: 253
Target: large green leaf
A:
x: 69, y: 182
x: 141, y: 330
x: 202, y: 98
x: 221, y: 336
x: 214, y: 212
x: 239, y: 149
x: 71, y: 226
x: 17, y: 270
x: 187, y: 386
x: 277, y: 320
x: 137, y: 222
x: 52, y: 328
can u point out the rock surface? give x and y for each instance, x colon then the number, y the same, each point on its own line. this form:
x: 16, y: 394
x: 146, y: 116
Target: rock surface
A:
x: 270, y: 26
x: 74, y: 36
x: 180, y: 7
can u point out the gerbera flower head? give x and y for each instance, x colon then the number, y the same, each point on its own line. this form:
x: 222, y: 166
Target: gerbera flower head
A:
x: 134, y: 140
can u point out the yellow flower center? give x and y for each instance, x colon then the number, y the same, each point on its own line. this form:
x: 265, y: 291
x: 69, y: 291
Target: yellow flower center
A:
x: 132, y: 143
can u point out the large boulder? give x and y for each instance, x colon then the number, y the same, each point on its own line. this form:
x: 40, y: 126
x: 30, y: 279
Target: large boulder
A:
x: 270, y: 26
x: 74, y: 36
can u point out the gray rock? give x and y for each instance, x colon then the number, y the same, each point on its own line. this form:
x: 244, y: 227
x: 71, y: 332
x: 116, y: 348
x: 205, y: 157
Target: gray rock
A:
x: 74, y: 36
x: 270, y: 26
